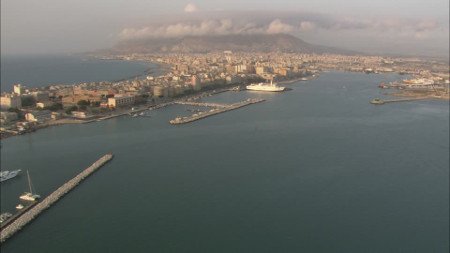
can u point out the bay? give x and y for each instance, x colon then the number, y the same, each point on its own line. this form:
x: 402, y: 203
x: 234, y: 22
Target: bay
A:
x: 314, y: 169
x: 40, y: 71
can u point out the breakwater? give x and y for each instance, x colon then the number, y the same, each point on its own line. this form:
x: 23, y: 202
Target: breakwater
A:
x: 201, y: 115
x: 378, y: 101
x: 31, y: 214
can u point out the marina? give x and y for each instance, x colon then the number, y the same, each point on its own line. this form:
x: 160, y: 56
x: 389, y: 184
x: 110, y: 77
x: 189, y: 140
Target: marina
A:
x: 202, y: 115
x: 220, y: 177
x: 27, y: 215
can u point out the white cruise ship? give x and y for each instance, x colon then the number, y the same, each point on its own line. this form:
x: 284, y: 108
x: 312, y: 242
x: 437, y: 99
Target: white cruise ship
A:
x: 265, y: 87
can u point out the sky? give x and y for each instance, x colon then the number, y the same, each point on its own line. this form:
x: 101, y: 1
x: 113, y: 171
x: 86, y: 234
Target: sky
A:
x: 409, y: 27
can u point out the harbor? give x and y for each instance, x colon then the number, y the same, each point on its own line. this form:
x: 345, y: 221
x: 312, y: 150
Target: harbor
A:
x: 217, y: 110
x: 163, y: 176
x: 34, y: 209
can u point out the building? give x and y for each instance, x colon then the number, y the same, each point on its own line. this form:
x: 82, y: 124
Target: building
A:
x: 10, y: 101
x: 79, y: 114
x: 6, y: 117
x: 40, y: 96
x: 44, y: 104
x: 38, y: 116
x: 120, y: 101
x: 260, y: 70
x: 160, y: 91
x: 195, y: 82
x: 18, y: 89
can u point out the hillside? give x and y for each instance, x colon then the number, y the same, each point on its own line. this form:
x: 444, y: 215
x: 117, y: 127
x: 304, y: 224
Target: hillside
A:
x: 237, y: 43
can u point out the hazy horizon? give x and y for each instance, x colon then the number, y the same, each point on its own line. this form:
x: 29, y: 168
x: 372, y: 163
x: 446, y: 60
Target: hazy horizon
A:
x: 414, y: 28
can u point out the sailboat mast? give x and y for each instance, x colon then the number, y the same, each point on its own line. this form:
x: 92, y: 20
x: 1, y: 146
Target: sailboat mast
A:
x: 29, y: 182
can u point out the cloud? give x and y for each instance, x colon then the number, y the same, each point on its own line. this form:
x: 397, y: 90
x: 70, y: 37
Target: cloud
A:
x: 293, y: 23
x: 306, y: 26
x: 191, y: 7
x: 279, y: 27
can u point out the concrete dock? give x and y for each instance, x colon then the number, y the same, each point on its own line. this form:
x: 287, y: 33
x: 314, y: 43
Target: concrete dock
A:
x: 31, y: 214
x: 201, y: 104
x: 378, y: 101
x: 201, y: 115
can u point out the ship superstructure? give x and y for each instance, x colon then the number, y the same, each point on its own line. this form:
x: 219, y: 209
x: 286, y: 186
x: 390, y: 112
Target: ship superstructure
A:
x: 265, y: 87
x: 5, y: 175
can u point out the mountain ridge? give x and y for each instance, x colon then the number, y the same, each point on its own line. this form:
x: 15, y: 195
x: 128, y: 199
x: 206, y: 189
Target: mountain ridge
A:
x: 285, y: 43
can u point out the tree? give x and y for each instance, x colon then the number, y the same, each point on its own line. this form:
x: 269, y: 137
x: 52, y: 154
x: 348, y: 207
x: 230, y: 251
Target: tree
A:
x: 14, y: 110
x: 55, y: 107
x: 83, y: 103
x: 71, y: 109
x: 28, y: 101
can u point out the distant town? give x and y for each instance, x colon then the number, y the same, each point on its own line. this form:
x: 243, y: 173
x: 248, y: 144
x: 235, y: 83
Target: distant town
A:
x: 194, y: 75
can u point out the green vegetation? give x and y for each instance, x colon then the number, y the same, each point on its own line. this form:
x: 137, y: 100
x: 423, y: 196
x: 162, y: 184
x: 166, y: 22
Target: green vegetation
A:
x: 55, y: 107
x: 20, y: 114
x: 28, y: 101
x: 84, y: 103
x: 14, y: 110
x: 71, y: 109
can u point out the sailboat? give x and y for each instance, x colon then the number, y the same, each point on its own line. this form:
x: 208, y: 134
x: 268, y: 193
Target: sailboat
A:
x: 29, y: 196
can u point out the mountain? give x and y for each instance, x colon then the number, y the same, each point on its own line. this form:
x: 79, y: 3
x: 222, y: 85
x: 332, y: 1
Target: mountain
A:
x: 217, y: 43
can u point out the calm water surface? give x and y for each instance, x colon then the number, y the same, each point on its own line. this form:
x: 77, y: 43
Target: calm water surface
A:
x: 39, y: 71
x: 315, y: 169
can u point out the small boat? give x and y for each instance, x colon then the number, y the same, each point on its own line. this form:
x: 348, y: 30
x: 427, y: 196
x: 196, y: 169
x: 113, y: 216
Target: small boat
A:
x: 4, y: 217
x: 377, y: 101
x: 5, y: 175
x: 19, y: 207
x: 29, y: 196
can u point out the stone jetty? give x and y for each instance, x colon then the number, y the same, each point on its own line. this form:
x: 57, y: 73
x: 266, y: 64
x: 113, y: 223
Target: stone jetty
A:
x: 31, y: 214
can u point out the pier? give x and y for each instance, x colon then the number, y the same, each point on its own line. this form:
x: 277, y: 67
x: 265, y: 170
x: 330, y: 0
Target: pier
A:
x: 378, y: 101
x: 201, y: 115
x: 38, y: 208
x: 202, y: 104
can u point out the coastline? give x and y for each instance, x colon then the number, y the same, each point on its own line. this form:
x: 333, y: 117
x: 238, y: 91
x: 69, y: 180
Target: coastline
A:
x: 121, y: 112
x: 71, y: 70
x: 161, y: 69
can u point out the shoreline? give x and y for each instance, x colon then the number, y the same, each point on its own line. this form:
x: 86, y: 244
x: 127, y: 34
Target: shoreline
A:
x: 164, y: 68
x: 121, y: 112
x: 149, y: 70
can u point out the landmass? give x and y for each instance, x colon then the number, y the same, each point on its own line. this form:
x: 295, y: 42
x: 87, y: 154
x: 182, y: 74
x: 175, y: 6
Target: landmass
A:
x: 189, y: 74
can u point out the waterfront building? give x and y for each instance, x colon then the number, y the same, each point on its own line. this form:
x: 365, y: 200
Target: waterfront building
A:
x: 38, y: 116
x: 44, y: 104
x: 260, y: 70
x: 7, y: 117
x: 56, y: 115
x: 18, y: 89
x: 160, y: 91
x: 195, y: 82
x: 80, y: 114
x: 10, y: 101
x: 40, y: 96
x: 120, y: 100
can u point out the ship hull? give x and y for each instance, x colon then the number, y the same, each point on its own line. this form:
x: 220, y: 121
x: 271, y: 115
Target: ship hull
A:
x: 9, y: 175
x: 269, y: 88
